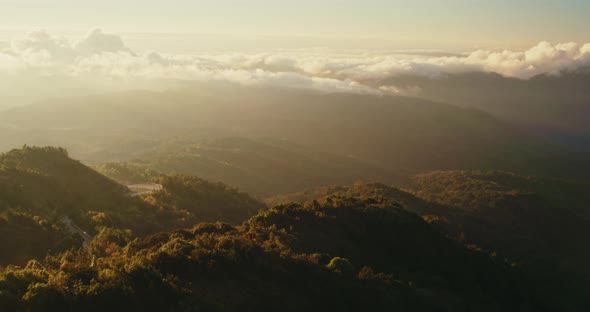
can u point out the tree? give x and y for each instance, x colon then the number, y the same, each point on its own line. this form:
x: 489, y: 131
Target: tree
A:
x: 341, y: 265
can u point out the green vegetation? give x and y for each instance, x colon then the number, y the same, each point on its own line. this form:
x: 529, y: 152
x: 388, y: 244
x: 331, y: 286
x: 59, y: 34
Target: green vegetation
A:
x: 483, y: 191
x: 542, y: 223
x: 40, y: 186
x: 272, y: 264
x: 308, y: 137
x: 127, y: 173
x: 524, y: 217
x: 256, y: 166
x: 538, y: 225
x: 449, y: 241
x: 24, y: 237
x: 201, y: 200
x: 37, y: 187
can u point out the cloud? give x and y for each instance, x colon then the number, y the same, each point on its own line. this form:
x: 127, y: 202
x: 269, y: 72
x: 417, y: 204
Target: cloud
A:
x: 104, y: 59
x: 9, y: 63
x: 39, y: 49
x: 104, y: 55
x: 540, y: 59
x: 96, y: 41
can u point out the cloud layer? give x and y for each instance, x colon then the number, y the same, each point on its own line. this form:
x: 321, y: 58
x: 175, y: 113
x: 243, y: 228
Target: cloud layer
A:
x: 101, y: 57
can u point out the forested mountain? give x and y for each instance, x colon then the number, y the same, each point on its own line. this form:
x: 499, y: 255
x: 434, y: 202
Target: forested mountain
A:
x: 526, y: 218
x: 390, y: 132
x: 291, y: 258
x: 41, y: 186
x: 297, y: 156
x: 538, y: 224
x: 256, y: 166
x: 541, y: 223
x: 459, y: 240
x: 449, y: 240
x: 554, y: 106
x: 47, y: 180
x: 37, y: 187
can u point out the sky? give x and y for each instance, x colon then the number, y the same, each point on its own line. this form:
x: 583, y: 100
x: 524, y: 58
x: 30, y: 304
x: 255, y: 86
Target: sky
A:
x: 56, y: 48
x: 449, y: 25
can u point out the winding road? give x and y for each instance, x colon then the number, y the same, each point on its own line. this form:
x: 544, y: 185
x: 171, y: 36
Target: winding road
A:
x: 134, y: 189
x: 143, y: 188
x: 74, y: 229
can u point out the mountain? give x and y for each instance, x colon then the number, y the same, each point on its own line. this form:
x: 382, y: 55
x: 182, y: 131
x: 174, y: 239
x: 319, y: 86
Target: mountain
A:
x: 541, y: 223
x: 40, y: 186
x: 455, y: 240
x: 288, y: 257
x: 45, y: 178
x: 524, y: 217
x: 538, y: 224
x: 37, y: 187
x: 547, y: 102
x: 198, y: 200
x: 259, y: 167
x: 527, y: 218
x: 390, y: 132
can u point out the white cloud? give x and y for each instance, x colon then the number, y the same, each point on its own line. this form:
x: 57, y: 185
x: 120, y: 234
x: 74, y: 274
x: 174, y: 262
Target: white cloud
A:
x: 542, y: 58
x: 96, y: 41
x: 100, y: 57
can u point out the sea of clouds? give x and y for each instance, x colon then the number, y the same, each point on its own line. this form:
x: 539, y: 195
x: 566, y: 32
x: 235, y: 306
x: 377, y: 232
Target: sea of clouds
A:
x: 102, y: 59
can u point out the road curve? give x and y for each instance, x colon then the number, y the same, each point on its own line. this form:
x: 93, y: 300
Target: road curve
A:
x: 74, y: 229
x: 143, y: 188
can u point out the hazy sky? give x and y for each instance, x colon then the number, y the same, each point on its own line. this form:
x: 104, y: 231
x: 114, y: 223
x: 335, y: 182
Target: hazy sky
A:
x: 56, y: 48
x: 451, y: 24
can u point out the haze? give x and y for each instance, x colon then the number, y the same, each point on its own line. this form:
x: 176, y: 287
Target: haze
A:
x: 294, y: 155
x: 461, y: 24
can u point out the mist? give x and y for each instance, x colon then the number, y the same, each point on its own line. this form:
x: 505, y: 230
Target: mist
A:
x: 258, y: 155
x: 50, y: 66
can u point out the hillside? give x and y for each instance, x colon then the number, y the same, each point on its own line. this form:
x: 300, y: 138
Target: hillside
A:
x: 203, y: 201
x: 291, y: 258
x: 538, y: 224
x: 521, y: 216
x: 40, y: 186
x: 390, y: 132
x: 527, y: 218
x: 258, y: 167
x: 458, y: 240
x: 548, y: 101
x: 37, y: 187
x: 46, y: 179
x: 482, y: 191
x: 294, y: 156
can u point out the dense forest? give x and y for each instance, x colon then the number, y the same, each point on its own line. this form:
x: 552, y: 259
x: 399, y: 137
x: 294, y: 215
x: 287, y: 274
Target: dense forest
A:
x: 260, y: 167
x: 41, y: 186
x: 345, y: 254
x: 539, y: 225
x: 444, y: 241
x: 374, y: 155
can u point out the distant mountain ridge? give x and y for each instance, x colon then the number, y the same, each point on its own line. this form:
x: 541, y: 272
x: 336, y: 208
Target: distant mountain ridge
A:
x: 259, y: 167
x: 548, y: 102
x: 389, y: 132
